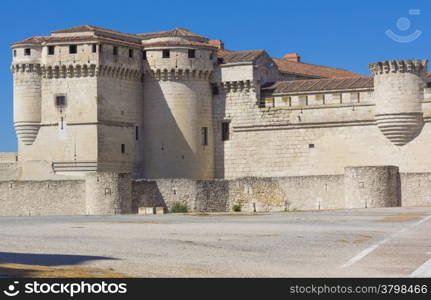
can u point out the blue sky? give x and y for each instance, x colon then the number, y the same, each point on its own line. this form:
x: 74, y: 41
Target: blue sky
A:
x: 345, y: 34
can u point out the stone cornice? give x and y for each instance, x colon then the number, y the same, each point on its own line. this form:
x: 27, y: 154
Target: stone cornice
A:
x: 177, y: 74
x: 417, y: 66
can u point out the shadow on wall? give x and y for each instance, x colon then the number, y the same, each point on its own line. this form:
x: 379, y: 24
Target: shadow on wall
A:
x: 167, y: 152
x: 47, y: 259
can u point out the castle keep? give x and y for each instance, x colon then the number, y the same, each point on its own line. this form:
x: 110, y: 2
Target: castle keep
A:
x: 116, y: 121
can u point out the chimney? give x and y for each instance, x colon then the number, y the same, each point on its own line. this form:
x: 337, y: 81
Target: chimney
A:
x: 292, y: 57
x: 218, y: 43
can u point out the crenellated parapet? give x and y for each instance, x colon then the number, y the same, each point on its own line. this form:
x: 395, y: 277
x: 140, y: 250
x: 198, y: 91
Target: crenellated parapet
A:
x: 177, y: 74
x: 26, y: 68
x: 416, y: 66
x: 77, y: 71
x: 237, y: 86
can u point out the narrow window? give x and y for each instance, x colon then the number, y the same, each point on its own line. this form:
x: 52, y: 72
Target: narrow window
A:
x: 14, y: 52
x: 214, y: 88
x: 60, y: 101
x: 51, y: 50
x: 123, y: 148
x: 27, y: 51
x: 192, y: 53
x: 211, y: 55
x: 204, y: 132
x: 62, y: 120
x: 130, y: 53
x: 137, y: 133
x: 225, y: 131
x: 115, y: 50
x: 94, y: 48
x: 166, y: 53
x: 144, y: 55
x: 73, y: 49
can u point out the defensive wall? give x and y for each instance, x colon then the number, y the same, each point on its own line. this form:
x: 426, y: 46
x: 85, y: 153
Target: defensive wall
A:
x: 106, y: 193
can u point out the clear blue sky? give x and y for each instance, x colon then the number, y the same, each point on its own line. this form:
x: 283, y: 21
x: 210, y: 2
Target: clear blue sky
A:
x: 345, y: 34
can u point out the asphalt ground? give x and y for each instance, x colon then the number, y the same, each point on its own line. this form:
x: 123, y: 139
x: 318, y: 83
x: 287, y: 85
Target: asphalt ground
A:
x: 384, y: 242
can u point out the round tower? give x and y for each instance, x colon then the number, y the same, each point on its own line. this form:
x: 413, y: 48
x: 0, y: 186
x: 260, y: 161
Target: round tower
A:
x: 26, y: 91
x: 178, y: 129
x: 398, y: 90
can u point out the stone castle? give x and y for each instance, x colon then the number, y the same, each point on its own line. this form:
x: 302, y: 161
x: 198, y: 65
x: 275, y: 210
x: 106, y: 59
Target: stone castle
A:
x: 117, y: 121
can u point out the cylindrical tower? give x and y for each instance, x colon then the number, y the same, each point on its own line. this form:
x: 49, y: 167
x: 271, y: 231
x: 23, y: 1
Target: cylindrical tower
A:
x: 26, y: 91
x: 178, y: 129
x: 398, y: 90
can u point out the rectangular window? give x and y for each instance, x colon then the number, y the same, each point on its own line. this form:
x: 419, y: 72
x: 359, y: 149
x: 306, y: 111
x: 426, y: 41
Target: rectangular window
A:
x: 192, y: 53
x: 14, y: 52
x: 269, y: 102
x: 204, y: 132
x: 27, y: 51
x: 144, y: 55
x: 287, y: 100
x: 137, y: 133
x: 214, y: 88
x: 225, y: 131
x: 51, y: 50
x: 115, y: 50
x: 166, y: 53
x: 123, y: 148
x: 100, y: 48
x: 130, y: 53
x: 60, y: 101
x: 94, y: 48
x: 73, y: 49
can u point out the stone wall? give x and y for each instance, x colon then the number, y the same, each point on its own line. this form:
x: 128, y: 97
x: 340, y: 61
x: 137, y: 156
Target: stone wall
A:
x: 30, y: 198
x: 416, y: 189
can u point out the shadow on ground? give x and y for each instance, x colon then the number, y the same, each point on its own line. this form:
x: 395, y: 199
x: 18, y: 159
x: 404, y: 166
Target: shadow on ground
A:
x: 51, y: 266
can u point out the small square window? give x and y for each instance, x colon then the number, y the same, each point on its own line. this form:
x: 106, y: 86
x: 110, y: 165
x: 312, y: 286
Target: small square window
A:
x: 73, y: 49
x: 192, y: 53
x: 225, y: 131
x: 130, y: 53
x: 166, y: 53
x: 310, y: 146
x: 123, y: 148
x: 204, y: 132
x: 115, y: 50
x: 51, y: 50
x: 144, y: 55
x: 27, y: 51
x: 94, y: 48
x: 60, y: 101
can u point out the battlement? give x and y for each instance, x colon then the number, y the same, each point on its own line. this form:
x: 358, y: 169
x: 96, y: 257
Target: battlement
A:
x: 417, y: 66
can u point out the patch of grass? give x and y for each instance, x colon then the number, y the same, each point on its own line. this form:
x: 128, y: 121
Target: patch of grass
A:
x: 236, y: 208
x: 178, y: 207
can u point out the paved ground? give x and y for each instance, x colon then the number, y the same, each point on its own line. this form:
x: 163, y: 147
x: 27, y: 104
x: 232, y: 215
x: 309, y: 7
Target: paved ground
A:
x: 366, y: 242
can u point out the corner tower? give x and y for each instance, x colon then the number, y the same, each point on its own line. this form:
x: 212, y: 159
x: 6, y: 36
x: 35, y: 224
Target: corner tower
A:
x: 399, y: 91
x: 178, y: 130
x: 26, y: 69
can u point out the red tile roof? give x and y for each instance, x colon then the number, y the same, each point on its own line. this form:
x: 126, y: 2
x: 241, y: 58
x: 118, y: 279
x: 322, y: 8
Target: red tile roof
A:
x: 294, y: 67
x: 297, y: 86
x: 239, y: 56
x: 181, y: 32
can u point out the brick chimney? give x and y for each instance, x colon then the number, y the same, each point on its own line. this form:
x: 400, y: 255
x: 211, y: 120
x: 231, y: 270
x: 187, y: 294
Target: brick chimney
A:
x: 218, y: 43
x: 292, y: 57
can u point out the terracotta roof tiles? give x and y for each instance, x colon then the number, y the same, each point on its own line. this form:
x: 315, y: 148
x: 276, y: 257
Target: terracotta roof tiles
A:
x: 297, y: 86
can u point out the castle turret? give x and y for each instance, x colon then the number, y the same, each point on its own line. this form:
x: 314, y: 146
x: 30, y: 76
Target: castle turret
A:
x: 398, y: 90
x: 27, y: 90
x: 178, y: 105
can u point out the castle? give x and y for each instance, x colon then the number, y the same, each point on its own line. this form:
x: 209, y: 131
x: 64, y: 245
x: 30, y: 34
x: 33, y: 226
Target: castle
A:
x: 177, y: 110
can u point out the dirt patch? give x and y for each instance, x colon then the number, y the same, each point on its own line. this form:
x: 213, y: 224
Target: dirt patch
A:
x: 37, y: 271
x: 401, y: 217
x: 357, y: 240
x: 227, y: 214
x: 134, y: 222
